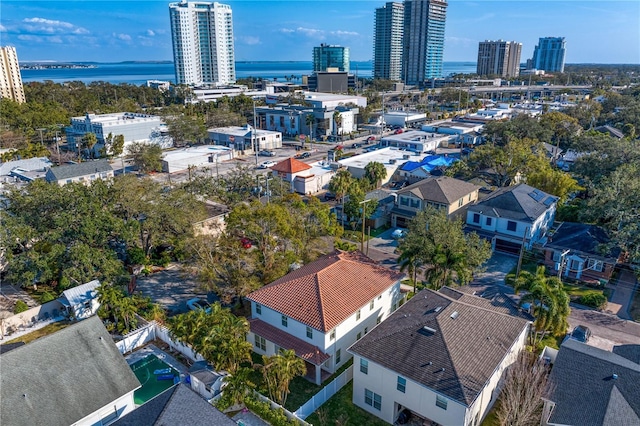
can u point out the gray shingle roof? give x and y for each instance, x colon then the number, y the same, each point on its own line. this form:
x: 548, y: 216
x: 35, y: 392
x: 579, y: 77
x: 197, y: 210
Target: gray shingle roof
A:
x: 442, y: 360
x: 61, y: 378
x: 586, y: 392
x: 177, y: 406
x: 38, y: 163
x: 582, y: 238
x: 71, y: 171
x: 521, y: 202
x: 444, y: 190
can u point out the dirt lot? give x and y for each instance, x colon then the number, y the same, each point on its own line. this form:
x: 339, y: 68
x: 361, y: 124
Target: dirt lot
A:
x: 171, y: 288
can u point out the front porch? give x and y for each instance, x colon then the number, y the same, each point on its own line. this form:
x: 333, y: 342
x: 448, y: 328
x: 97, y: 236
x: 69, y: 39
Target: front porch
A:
x: 311, y: 373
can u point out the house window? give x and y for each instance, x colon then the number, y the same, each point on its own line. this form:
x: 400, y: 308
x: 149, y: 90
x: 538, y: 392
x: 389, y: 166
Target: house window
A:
x: 596, y: 265
x: 476, y: 218
x: 364, y: 366
x: 309, y: 332
x: 366, y: 330
x: 402, y: 384
x: 358, y: 315
x: 512, y: 226
x: 258, y: 309
x: 372, y: 399
x: 338, y: 356
x: 371, y: 305
x: 488, y: 221
x: 460, y: 202
x: 332, y: 336
x: 379, y: 320
x: 261, y: 343
x: 285, y: 321
x: 415, y: 203
x: 359, y: 336
x: 404, y: 201
x: 556, y: 256
x: 441, y: 402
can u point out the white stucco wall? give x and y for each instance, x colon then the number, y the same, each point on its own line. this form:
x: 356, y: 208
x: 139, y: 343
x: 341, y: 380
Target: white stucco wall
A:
x: 122, y: 406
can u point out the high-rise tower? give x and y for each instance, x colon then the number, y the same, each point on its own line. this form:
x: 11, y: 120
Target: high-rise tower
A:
x: 202, y: 35
x: 10, y: 79
x: 331, y: 56
x: 387, y: 41
x: 548, y: 55
x: 423, y: 39
x: 499, y: 58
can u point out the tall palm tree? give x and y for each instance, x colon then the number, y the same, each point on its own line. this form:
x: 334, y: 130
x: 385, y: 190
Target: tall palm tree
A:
x: 310, y: 120
x: 337, y: 119
x: 409, y: 260
x: 375, y: 172
x: 340, y: 183
x: 549, y: 301
x: 278, y: 371
x: 236, y: 386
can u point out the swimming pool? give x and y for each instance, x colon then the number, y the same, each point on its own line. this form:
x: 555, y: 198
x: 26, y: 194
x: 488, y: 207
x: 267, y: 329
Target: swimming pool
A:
x: 155, y: 375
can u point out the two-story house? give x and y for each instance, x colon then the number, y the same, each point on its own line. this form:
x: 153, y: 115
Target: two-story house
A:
x: 322, y: 308
x: 443, y: 192
x: 438, y: 359
x: 512, y: 217
x: 85, y: 172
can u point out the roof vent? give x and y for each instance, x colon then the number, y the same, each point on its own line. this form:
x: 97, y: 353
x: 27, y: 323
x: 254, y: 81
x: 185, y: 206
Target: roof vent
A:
x: 442, y: 370
x: 615, y: 376
x: 429, y: 329
x: 438, y: 309
x: 454, y: 315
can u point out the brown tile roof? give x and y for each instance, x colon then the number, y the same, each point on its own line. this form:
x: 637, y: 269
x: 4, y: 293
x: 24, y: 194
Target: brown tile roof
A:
x: 454, y: 355
x: 291, y: 165
x: 444, y: 189
x: 304, y: 350
x: 324, y: 293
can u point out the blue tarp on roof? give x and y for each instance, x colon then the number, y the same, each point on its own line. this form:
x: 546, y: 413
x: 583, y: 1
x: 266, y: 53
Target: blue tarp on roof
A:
x: 428, y: 163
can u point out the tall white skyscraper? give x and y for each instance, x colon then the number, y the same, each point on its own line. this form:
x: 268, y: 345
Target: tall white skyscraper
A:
x: 10, y: 78
x: 202, y: 34
x: 499, y: 58
x: 387, y: 41
x: 548, y: 55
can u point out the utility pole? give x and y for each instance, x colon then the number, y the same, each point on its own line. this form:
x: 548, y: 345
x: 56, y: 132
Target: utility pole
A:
x: 254, y: 140
x: 524, y: 240
x: 564, y: 253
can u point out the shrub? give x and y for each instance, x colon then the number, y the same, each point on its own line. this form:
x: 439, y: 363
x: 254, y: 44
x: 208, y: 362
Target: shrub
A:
x: 20, y: 307
x: 46, y: 296
x: 136, y: 256
x: 276, y: 417
x: 593, y: 300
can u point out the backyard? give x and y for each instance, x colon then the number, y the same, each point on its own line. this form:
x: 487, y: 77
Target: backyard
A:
x: 340, y: 410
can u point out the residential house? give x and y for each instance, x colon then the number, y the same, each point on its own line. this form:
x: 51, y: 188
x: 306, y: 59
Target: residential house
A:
x: 591, y: 386
x: 82, y: 301
x: 18, y: 168
x: 431, y: 165
x: 322, y: 308
x: 75, y: 376
x: 512, y: 217
x: 582, y: 251
x: 302, y: 177
x: 85, y: 172
x: 445, y: 193
x: 385, y: 201
x: 177, y: 406
x: 610, y: 130
x: 215, y: 222
x: 438, y: 359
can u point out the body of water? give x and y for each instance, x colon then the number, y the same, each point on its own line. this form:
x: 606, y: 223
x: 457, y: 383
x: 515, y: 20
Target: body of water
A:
x: 139, y: 72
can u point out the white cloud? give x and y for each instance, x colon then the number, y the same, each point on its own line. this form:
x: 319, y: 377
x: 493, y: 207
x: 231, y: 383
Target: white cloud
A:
x: 28, y: 37
x: 150, y: 33
x: 123, y: 37
x: 80, y: 30
x: 250, y: 40
x: 287, y: 30
x: 311, y: 32
x: 49, y: 22
x: 3, y: 29
x: 340, y: 33
x: 43, y: 25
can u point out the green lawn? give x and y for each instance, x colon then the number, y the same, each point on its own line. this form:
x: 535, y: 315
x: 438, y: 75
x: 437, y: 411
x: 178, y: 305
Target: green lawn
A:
x: 339, y: 410
x: 44, y: 331
x: 577, y: 291
x: 492, y: 418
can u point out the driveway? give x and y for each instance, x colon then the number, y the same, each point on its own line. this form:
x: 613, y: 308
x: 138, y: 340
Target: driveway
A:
x: 382, y: 249
x: 623, y: 292
x: 496, y: 269
x: 171, y: 288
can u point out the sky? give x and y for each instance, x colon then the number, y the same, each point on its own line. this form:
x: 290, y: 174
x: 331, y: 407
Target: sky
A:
x: 603, y: 31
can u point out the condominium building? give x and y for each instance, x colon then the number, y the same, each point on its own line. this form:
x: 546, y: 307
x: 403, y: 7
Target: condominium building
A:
x: 423, y: 39
x: 202, y: 36
x: 499, y: 58
x: 10, y: 80
x: 387, y: 41
x: 330, y: 56
x: 548, y: 55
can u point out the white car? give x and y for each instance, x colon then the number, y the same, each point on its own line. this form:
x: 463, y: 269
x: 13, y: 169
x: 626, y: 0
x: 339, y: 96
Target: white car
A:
x: 198, y: 303
x: 398, y: 233
x: 267, y: 164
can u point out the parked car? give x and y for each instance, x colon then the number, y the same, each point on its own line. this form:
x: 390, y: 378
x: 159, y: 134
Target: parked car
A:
x: 398, y: 131
x: 329, y: 196
x: 198, y: 303
x: 581, y: 333
x: 267, y: 164
x: 267, y: 153
x: 305, y: 154
x: 246, y: 243
x: 398, y: 233
x: 371, y: 138
x: 399, y: 185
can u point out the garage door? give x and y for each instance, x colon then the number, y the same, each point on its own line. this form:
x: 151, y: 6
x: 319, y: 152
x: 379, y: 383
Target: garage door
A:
x: 508, y: 247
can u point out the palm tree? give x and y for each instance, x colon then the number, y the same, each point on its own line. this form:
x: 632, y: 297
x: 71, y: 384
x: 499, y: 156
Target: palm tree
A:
x: 337, y: 119
x: 549, y: 301
x: 340, y: 183
x: 236, y: 386
x: 310, y: 120
x: 409, y: 260
x: 375, y: 172
x: 278, y: 371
